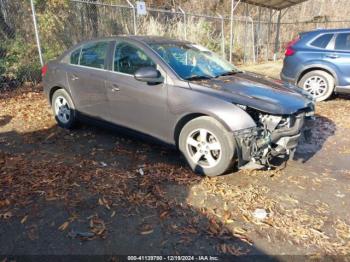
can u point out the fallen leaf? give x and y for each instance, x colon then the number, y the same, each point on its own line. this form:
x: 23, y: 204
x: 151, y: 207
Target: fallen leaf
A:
x: 147, y: 232
x: 163, y: 214
x: 24, y: 219
x: 6, y: 215
x: 64, y: 226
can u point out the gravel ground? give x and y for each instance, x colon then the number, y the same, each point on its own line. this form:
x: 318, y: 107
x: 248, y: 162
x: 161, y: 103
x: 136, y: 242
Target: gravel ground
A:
x: 99, y: 191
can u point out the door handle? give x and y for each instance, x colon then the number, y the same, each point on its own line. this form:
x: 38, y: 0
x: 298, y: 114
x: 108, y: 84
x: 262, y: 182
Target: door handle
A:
x: 332, y: 56
x: 115, y: 88
x: 74, y: 77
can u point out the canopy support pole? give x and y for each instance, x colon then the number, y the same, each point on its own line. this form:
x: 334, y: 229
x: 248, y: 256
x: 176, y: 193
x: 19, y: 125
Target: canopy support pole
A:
x: 277, y: 40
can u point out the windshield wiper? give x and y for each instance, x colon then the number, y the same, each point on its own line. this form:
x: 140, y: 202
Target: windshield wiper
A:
x: 233, y: 72
x: 197, y: 77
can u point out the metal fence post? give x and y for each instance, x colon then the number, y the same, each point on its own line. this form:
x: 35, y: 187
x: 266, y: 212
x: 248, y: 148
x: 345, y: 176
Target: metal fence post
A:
x: 245, y: 33
x: 231, y: 31
x: 185, y: 22
x: 233, y: 8
x: 133, y: 15
x: 222, y: 35
x: 36, y: 33
x: 268, y: 35
x: 258, y: 35
x: 253, y: 38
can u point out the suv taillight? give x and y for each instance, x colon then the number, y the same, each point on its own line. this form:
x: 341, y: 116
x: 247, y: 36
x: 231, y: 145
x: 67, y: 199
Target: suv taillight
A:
x: 289, y: 51
x: 289, y: 48
x: 43, y: 70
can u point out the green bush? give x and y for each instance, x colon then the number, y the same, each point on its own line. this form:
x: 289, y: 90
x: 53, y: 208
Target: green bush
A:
x: 2, y: 67
x: 29, y: 73
x: 16, y: 61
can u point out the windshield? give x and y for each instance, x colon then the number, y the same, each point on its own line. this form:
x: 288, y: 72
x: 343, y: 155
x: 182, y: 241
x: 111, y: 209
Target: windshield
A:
x: 192, y: 62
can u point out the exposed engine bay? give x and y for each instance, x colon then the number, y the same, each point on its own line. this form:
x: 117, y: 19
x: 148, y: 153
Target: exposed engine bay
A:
x: 273, y: 136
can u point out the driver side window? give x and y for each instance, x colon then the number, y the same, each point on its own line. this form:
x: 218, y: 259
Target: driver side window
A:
x: 128, y: 59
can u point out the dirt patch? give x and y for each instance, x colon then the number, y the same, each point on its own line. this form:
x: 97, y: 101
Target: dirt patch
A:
x: 97, y: 191
x: 271, y: 69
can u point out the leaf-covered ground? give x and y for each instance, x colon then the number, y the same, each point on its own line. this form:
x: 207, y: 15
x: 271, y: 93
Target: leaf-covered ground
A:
x: 97, y: 191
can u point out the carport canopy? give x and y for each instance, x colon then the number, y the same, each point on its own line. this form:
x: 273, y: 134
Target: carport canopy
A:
x: 277, y: 5
x: 274, y: 4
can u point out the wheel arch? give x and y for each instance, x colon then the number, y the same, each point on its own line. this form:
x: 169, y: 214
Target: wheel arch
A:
x: 182, y: 122
x: 315, y: 68
x: 54, y: 89
x: 224, y: 119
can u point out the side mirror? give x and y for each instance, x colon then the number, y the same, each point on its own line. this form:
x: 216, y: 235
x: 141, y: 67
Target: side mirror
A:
x: 149, y: 74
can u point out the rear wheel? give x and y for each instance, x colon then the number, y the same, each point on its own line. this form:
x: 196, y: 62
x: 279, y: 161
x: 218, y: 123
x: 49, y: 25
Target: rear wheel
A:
x: 63, y: 108
x: 208, y: 147
x: 319, y: 84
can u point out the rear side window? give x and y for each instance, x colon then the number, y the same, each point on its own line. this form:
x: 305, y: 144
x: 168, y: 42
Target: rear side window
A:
x: 322, y: 41
x: 74, y: 57
x: 94, y: 55
x: 342, y: 42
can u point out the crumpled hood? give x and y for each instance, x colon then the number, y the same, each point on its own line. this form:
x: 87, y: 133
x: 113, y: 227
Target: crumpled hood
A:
x: 255, y: 91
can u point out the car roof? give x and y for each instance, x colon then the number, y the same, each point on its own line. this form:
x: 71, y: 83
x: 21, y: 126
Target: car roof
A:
x: 154, y: 39
x: 142, y: 39
x: 322, y: 30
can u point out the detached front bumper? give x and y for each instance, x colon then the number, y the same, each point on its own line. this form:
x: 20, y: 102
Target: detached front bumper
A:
x: 258, y: 146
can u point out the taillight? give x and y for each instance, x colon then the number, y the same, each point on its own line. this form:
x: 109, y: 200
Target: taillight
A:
x: 289, y: 51
x: 43, y: 70
x: 289, y: 48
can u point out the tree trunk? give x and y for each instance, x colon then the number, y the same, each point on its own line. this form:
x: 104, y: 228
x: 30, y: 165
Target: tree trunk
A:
x: 92, y: 16
x: 8, y: 31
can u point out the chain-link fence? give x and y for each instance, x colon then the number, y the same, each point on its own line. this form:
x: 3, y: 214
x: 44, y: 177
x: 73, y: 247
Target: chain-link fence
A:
x: 270, y: 45
x: 63, y: 23
x: 83, y: 19
x: 19, y: 59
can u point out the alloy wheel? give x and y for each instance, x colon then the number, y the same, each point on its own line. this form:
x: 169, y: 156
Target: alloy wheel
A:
x: 203, y: 148
x: 62, y: 110
x: 316, y: 86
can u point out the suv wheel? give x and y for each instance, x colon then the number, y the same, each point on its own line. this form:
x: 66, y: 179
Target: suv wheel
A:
x: 63, y: 108
x: 208, y: 148
x: 318, y: 84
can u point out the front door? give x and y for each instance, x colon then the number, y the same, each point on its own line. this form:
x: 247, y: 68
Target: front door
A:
x: 135, y: 104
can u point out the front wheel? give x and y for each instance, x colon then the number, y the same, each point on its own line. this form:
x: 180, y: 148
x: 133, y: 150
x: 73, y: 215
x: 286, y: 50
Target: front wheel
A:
x: 207, y: 146
x: 64, y: 110
x: 319, y: 84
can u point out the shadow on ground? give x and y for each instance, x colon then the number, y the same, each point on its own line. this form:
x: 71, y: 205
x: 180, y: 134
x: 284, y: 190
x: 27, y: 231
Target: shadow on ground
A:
x: 91, y: 191
x: 316, y: 133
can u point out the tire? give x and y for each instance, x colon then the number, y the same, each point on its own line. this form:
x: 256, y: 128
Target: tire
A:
x: 323, y: 79
x: 193, y: 146
x: 61, y: 99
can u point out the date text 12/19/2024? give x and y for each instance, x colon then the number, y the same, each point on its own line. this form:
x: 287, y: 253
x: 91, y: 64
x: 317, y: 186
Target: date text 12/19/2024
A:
x: 173, y: 258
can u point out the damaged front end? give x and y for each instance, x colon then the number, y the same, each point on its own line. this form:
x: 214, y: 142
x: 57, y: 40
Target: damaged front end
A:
x: 273, y: 136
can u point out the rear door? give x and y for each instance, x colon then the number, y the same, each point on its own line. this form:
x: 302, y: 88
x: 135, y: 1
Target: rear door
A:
x: 322, y: 47
x: 340, y: 57
x: 87, y: 78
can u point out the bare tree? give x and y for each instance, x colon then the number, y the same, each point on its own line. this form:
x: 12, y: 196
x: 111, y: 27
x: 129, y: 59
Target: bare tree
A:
x: 5, y: 28
x: 92, y: 16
